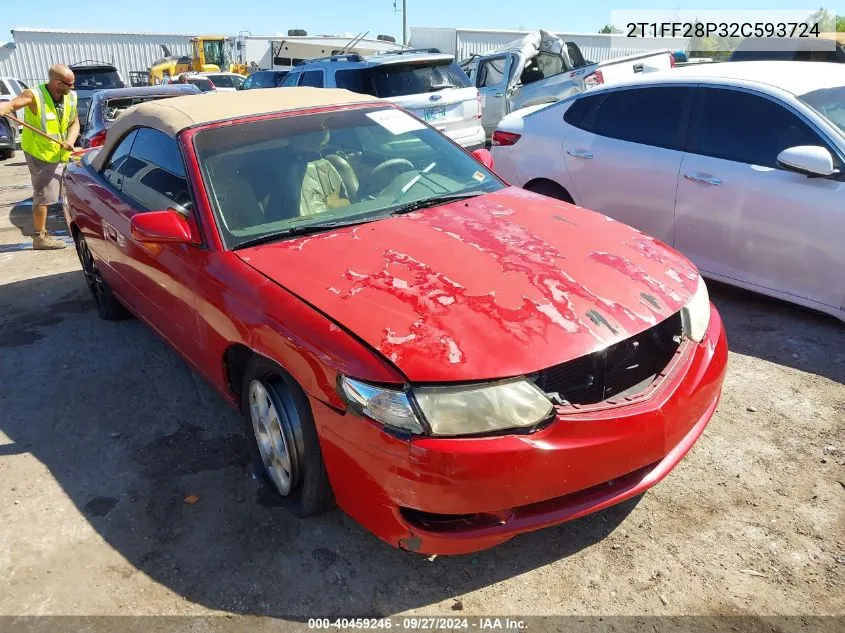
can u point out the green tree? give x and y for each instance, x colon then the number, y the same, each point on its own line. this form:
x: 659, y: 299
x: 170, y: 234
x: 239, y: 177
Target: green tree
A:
x: 713, y: 47
x: 609, y: 28
x: 840, y: 24
x: 825, y: 20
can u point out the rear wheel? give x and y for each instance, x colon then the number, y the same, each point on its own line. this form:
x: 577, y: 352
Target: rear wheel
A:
x: 283, y: 439
x: 550, y: 189
x: 6, y: 154
x: 108, y: 307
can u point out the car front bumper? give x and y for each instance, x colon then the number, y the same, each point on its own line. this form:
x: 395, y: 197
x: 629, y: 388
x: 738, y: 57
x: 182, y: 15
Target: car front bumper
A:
x: 459, y: 495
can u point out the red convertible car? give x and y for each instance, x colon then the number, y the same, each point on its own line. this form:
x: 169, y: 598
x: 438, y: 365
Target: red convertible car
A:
x: 450, y: 360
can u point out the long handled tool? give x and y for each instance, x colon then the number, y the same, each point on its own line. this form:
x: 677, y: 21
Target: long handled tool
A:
x: 34, y: 129
x: 75, y: 153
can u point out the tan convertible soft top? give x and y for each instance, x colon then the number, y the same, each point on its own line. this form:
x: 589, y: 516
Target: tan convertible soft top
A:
x: 174, y: 114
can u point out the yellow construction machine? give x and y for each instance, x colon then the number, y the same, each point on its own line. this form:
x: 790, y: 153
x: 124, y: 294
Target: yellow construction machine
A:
x: 210, y: 54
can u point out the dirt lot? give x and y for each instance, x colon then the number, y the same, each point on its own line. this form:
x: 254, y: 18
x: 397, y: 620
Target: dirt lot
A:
x: 104, y: 432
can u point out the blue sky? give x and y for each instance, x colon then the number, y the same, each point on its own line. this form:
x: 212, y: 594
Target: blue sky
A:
x: 330, y: 16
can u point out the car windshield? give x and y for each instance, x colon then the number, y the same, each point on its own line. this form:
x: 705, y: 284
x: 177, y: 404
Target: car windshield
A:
x: 829, y: 103
x: 226, y: 81
x: 398, y: 80
x: 100, y: 79
x: 271, y: 178
x: 113, y: 107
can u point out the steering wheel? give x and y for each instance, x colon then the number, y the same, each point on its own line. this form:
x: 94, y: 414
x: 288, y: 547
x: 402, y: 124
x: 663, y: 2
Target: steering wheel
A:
x: 398, y: 164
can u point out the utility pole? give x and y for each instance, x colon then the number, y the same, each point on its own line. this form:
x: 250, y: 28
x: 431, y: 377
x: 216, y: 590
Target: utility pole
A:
x: 404, y: 22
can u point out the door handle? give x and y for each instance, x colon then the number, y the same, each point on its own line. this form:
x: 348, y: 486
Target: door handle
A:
x: 499, y: 94
x: 579, y: 153
x: 710, y: 180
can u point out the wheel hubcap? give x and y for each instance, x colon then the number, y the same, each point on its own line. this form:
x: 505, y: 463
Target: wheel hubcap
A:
x: 92, y: 275
x: 272, y: 436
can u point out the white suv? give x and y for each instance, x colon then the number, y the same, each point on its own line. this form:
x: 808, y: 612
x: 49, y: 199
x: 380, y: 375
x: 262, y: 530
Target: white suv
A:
x: 10, y: 87
x: 426, y: 83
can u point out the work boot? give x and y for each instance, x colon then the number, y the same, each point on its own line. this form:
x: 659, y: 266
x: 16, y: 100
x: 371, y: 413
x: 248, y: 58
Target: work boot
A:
x: 41, y: 241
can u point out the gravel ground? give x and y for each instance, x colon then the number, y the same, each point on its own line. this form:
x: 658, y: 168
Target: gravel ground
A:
x: 104, y: 432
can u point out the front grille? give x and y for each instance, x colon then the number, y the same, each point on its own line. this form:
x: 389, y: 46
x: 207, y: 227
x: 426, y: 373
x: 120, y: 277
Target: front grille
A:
x: 621, y: 370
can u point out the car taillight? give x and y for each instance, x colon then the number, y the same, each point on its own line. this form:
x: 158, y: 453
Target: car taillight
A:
x: 594, y: 79
x: 505, y: 138
x: 98, y: 139
x: 671, y: 60
x: 480, y: 107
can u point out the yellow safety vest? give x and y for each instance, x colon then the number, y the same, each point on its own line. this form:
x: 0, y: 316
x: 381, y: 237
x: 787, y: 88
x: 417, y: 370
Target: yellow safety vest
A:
x: 47, y: 120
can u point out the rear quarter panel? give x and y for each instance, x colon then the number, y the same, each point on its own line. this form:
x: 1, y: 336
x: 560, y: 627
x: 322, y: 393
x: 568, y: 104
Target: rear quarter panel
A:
x: 538, y: 153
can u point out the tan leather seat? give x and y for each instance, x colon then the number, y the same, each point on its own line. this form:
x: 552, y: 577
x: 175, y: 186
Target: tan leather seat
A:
x: 347, y: 174
x: 322, y: 188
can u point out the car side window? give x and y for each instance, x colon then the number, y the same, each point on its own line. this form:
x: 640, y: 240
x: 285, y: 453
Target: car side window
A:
x: 492, y: 72
x: 159, y: 180
x: 222, y: 81
x: 747, y: 128
x: 116, y: 165
x: 655, y: 116
x: 312, y: 78
x: 578, y: 114
x: 290, y: 80
x: 354, y: 80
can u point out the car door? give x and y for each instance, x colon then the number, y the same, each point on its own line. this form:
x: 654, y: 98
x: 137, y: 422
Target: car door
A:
x: 492, y: 82
x: 742, y: 217
x: 106, y: 206
x: 623, y: 156
x: 163, y: 276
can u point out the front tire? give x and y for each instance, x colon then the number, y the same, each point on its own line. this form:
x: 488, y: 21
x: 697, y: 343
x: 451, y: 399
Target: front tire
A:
x: 283, y: 439
x: 108, y: 307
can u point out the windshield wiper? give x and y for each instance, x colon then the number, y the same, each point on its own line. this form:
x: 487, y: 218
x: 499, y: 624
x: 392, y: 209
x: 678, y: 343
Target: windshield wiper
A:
x: 434, y: 201
x: 307, y: 229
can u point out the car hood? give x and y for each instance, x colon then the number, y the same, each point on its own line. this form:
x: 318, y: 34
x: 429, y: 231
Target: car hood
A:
x: 495, y: 286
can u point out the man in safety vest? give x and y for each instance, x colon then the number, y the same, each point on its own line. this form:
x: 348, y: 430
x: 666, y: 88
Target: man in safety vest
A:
x: 51, y: 108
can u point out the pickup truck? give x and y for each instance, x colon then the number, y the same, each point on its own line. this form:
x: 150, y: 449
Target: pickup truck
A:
x: 542, y: 68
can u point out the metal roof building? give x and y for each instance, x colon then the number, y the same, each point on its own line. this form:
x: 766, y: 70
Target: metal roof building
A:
x: 33, y: 51
x: 462, y: 43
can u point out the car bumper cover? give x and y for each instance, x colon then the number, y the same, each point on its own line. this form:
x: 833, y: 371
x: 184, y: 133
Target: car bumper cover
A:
x: 459, y: 495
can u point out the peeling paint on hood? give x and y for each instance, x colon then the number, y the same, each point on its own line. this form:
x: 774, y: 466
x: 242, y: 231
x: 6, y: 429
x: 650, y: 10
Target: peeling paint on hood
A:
x: 500, y: 285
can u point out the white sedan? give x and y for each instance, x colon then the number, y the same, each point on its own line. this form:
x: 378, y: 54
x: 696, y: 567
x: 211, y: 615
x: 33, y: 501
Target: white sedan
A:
x: 738, y: 165
x: 226, y: 82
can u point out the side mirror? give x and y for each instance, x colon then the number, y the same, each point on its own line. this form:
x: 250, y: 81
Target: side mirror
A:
x: 157, y: 227
x: 484, y: 157
x: 810, y: 160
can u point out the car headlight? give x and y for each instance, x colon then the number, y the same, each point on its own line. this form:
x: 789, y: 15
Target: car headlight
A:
x: 696, y: 314
x: 461, y: 410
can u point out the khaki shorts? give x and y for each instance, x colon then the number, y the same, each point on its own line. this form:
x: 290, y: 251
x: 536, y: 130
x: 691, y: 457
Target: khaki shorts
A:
x: 46, y: 180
